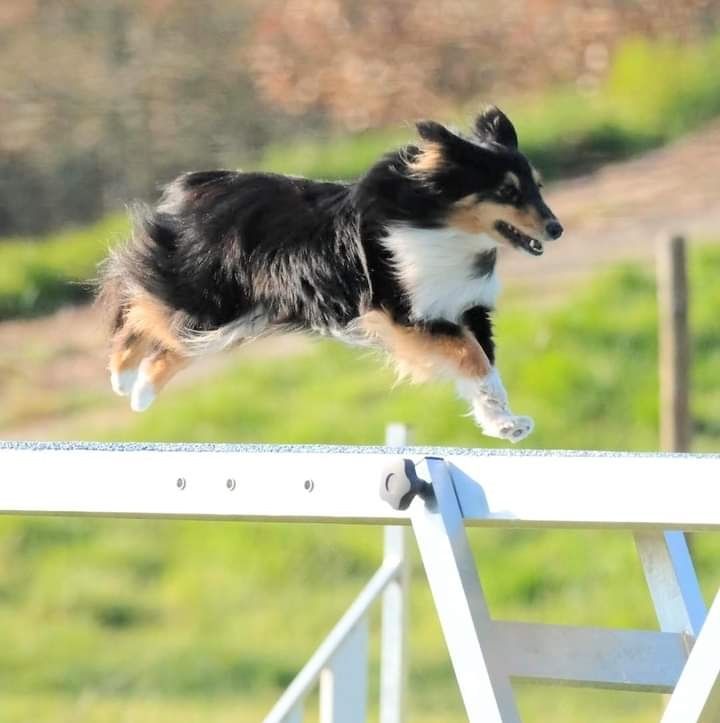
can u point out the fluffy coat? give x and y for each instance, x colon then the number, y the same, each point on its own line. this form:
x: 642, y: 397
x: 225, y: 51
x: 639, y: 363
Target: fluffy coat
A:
x: 404, y: 259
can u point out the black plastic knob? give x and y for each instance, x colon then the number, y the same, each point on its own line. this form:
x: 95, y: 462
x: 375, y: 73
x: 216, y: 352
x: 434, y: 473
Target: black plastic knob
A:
x: 400, y: 484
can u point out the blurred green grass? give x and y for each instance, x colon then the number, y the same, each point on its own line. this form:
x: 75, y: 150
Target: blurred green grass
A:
x: 150, y: 620
x: 39, y: 275
x: 563, y: 130
x: 122, y: 620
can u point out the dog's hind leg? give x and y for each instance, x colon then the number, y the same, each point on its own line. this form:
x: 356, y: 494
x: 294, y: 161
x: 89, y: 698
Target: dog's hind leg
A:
x: 154, y: 373
x: 146, y: 350
x: 128, y: 350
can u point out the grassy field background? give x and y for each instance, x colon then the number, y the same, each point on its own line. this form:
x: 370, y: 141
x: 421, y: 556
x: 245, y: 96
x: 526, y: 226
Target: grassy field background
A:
x: 155, y: 621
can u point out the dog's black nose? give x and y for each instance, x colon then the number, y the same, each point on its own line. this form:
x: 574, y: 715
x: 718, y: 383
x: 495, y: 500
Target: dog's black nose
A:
x: 554, y: 229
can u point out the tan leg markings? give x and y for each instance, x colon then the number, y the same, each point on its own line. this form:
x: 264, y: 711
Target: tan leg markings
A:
x: 420, y: 355
x: 145, y: 351
x: 155, y: 372
x: 148, y: 317
x: 128, y: 350
x: 162, y: 366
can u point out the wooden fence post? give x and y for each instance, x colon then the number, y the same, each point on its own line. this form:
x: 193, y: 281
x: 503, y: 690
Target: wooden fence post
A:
x: 674, y: 345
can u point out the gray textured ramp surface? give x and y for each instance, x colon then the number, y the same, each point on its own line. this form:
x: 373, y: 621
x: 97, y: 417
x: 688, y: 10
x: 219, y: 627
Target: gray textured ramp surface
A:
x: 330, y: 449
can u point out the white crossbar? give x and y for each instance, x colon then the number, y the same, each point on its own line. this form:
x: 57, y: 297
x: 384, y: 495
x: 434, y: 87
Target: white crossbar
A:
x: 641, y: 660
x: 557, y: 489
x: 649, y: 494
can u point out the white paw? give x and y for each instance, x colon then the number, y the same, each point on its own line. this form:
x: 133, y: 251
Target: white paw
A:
x: 123, y: 382
x: 491, y: 410
x: 143, y: 393
x: 513, y: 429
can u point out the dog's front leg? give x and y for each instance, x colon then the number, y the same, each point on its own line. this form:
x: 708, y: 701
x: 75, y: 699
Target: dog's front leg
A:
x: 486, y: 393
x: 490, y: 407
x: 439, y: 348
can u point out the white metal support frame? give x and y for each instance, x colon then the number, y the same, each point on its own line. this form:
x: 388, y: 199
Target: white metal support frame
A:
x: 671, y: 578
x: 487, y: 654
x: 653, y: 496
x: 340, y: 663
x: 343, y: 683
x: 464, y: 617
x: 394, y: 632
x: 697, y: 694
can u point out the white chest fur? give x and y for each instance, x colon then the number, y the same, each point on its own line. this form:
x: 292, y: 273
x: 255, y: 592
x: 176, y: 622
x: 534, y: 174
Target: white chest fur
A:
x: 437, y: 268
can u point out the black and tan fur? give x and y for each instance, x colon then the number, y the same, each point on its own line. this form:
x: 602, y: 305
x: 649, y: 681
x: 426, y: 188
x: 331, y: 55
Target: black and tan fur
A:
x: 404, y: 259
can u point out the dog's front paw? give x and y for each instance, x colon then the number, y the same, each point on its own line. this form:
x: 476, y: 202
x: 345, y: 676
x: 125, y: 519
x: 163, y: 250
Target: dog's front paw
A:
x: 507, y: 426
x: 515, y: 429
x: 491, y: 410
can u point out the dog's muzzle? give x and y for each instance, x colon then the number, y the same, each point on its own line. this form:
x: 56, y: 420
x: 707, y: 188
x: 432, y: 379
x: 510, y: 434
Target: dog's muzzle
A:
x: 519, y: 239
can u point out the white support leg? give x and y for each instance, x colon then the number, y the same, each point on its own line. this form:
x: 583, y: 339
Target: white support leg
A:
x: 697, y: 694
x: 343, y: 683
x: 393, y: 636
x: 673, y: 584
x: 393, y: 645
x: 455, y: 586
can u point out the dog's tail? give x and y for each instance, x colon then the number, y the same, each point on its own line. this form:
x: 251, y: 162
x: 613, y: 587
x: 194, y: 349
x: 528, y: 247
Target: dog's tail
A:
x: 143, y: 263
x: 152, y: 263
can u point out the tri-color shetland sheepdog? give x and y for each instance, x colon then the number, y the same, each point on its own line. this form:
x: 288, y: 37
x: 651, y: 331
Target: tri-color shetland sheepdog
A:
x: 403, y: 260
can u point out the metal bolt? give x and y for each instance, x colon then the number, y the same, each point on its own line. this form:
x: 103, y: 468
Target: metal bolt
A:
x: 181, y: 482
x: 309, y: 485
x: 230, y: 483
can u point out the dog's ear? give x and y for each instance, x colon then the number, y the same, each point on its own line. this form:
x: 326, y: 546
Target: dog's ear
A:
x: 451, y: 146
x: 493, y: 125
x: 434, y: 132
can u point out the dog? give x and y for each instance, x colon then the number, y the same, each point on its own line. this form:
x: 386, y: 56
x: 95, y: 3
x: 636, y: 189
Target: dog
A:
x: 404, y: 260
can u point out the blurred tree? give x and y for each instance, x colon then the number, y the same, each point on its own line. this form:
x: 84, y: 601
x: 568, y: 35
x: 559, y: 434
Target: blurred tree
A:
x: 371, y: 62
x: 102, y: 101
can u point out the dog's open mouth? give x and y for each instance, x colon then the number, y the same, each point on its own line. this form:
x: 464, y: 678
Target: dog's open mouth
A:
x: 519, y: 239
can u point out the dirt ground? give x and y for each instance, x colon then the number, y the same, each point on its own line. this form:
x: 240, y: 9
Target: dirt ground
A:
x: 616, y: 213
